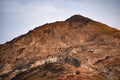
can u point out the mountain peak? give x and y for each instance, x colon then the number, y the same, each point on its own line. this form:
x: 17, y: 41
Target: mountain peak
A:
x: 79, y: 48
x: 77, y: 18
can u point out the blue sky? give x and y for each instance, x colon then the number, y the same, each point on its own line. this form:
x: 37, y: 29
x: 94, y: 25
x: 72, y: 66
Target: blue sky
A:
x: 17, y: 17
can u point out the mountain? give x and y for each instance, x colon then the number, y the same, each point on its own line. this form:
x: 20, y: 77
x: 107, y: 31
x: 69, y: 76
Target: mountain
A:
x: 78, y: 48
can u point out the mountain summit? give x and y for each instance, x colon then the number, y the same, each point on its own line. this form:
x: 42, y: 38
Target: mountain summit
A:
x: 75, y: 49
x: 77, y: 18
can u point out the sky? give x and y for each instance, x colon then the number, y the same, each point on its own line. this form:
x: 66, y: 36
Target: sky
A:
x: 17, y: 17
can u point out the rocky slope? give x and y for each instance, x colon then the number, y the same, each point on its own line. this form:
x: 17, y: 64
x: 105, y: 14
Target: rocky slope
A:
x: 75, y: 49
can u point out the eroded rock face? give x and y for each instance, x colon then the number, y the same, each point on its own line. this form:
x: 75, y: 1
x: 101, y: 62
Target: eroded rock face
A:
x: 53, y: 71
x: 72, y: 61
x: 85, y: 46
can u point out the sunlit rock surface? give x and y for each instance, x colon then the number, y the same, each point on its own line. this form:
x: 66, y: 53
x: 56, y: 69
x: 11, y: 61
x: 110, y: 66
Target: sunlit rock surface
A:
x: 75, y: 49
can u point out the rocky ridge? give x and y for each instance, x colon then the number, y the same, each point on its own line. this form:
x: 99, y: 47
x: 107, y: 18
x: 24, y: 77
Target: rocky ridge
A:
x: 75, y: 49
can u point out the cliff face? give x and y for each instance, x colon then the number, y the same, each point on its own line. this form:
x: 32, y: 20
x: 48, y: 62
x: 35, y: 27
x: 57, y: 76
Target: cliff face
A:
x: 75, y: 49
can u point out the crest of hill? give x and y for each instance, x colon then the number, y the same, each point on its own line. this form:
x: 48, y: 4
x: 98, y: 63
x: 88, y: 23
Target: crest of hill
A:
x: 103, y: 28
x: 77, y: 18
x: 62, y: 45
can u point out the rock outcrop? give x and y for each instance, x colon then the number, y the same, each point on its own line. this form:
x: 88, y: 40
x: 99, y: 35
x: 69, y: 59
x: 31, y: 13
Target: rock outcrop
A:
x: 75, y: 49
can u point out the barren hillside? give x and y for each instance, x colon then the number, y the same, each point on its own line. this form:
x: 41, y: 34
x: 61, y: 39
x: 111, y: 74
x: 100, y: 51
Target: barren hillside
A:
x: 75, y: 49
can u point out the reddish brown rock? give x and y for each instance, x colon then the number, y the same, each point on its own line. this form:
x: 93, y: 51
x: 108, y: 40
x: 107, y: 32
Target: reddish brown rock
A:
x: 75, y: 49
